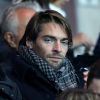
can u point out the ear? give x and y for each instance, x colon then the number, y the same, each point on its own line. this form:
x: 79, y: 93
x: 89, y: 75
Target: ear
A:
x: 10, y: 38
x: 29, y: 44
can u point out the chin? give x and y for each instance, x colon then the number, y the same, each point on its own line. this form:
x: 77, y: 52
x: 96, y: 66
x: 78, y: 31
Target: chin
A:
x: 55, y: 66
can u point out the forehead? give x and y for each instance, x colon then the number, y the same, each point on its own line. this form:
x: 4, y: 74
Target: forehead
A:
x: 53, y: 29
x: 24, y: 14
x: 24, y: 11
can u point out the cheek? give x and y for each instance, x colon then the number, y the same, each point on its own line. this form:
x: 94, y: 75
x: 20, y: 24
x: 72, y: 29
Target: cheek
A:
x: 65, y: 50
x: 43, y: 46
x: 43, y: 49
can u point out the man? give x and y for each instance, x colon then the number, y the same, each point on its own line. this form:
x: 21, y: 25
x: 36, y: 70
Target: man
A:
x: 41, y: 69
x: 8, y: 88
x: 14, y: 21
x: 93, y: 81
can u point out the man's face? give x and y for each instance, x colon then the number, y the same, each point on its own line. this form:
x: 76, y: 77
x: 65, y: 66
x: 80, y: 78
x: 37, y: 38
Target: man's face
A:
x: 95, y: 86
x: 52, y: 44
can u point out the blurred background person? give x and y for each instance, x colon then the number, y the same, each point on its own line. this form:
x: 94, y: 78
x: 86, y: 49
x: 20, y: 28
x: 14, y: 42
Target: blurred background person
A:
x: 12, y: 28
x: 14, y: 21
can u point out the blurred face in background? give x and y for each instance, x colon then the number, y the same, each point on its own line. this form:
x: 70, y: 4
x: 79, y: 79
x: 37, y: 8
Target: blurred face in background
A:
x: 22, y: 17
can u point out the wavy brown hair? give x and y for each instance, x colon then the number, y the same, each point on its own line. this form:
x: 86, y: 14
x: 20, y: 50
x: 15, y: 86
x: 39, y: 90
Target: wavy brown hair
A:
x: 34, y: 26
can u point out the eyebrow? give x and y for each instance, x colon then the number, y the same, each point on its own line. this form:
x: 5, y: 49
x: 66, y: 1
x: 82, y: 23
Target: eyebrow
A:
x: 63, y: 39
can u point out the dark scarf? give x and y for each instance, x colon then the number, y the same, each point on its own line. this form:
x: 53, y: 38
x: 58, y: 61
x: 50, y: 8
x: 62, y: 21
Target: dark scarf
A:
x: 64, y: 77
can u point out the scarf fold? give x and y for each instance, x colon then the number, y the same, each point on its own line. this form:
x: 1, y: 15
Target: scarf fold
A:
x: 63, y: 78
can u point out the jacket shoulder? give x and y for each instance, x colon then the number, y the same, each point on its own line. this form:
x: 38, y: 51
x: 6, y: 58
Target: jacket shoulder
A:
x: 8, y: 88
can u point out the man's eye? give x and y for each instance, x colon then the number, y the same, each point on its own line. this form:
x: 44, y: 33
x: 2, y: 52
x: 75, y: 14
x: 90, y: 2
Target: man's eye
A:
x: 65, y: 42
x: 48, y: 40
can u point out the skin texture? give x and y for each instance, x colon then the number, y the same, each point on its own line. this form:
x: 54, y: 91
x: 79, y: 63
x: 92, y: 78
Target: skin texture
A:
x: 51, y: 44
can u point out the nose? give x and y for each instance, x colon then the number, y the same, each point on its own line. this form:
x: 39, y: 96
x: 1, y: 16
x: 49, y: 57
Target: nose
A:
x: 57, y: 47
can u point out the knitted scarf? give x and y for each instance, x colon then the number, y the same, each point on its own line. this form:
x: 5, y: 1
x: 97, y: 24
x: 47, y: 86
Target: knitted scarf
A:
x: 64, y: 77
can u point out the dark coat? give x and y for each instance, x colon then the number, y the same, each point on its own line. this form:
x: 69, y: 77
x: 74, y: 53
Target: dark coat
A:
x: 8, y: 88
x: 32, y: 83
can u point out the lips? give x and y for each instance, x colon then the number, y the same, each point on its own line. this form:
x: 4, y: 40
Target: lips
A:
x: 55, y: 59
